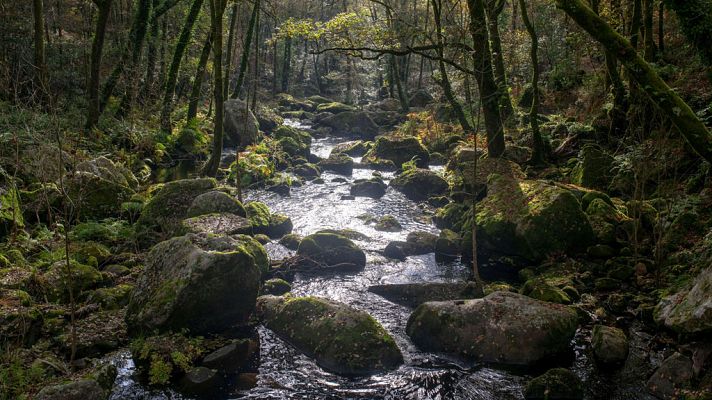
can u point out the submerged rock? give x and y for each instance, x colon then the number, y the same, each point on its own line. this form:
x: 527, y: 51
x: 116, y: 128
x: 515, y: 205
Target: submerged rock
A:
x: 555, y: 384
x: 388, y: 223
x: 689, y: 310
x: 374, y: 188
x: 415, y: 294
x: 503, y: 328
x: 189, y: 280
x: 420, y: 184
x: 398, y: 150
x: 330, y: 248
x: 201, y: 382
x: 341, y: 339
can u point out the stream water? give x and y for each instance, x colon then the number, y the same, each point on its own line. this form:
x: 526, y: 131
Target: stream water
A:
x: 284, y: 373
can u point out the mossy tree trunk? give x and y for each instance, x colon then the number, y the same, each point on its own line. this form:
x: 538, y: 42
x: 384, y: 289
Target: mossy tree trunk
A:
x: 196, y: 89
x: 217, y: 11
x: 489, y: 91
x: 286, y: 64
x: 97, y: 49
x: 494, y: 9
x: 672, y: 106
x: 40, y: 58
x: 172, y: 78
x: 539, y: 152
x: 230, y: 45
x: 246, y: 50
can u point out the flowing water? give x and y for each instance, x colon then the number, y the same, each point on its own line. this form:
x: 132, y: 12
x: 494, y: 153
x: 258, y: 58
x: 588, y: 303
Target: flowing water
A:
x: 284, y: 373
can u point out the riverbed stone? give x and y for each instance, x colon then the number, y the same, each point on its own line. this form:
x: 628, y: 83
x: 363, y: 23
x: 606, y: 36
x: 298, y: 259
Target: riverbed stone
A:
x: 353, y: 123
x: 218, y: 224
x: 388, y: 223
x: 231, y: 357
x: 330, y: 248
x: 503, y: 328
x: 609, y: 345
x: 398, y: 150
x: 354, y: 148
x: 339, y: 163
x: 341, y: 339
x: 201, y: 382
x: 81, y: 389
x: 161, y: 217
x: 423, y: 242
x: 689, y: 310
x: 291, y: 241
x: 538, y: 288
x: 187, y: 282
x: 98, y: 187
x: 374, y: 188
x: 420, y: 184
x: 241, y: 126
x: 276, y: 287
x: 415, y: 294
x: 673, y: 375
x: 334, y: 107
x: 215, y: 201
x: 555, y: 384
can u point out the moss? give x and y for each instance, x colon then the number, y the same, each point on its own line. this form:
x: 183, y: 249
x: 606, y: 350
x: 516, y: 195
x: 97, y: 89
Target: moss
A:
x: 276, y: 287
x: 388, y: 223
x: 259, y: 214
x: 161, y: 357
x: 112, y: 298
x: 331, y: 249
x: 594, y: 168
x: 10, y: 210
x: 539, y: 289
x: 92, y: 253
x: 82, y: 277
x: 399, y: 150
x: 334, y: 107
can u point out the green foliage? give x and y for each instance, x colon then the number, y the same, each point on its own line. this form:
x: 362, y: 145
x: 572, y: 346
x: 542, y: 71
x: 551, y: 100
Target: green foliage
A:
x: 16, y: 378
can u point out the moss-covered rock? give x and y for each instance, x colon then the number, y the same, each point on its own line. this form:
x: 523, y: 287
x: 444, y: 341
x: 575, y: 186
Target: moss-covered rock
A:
x: 420, y: 98
x: 609, y: 345
x: 503, y: 327
x: 259, y: 215
x: 530, y: 219
x: 306, y: 170
x: 217, y: 223
x: 354, y: 148
x: 415, y: 294
x: 161, y: 217
x: 674, y: 374
x: 162, y: 358
x: 353, y: 123
x: 339, y: 163
x: 289, y: 102
x: 334, y: 107
x: 20, y: 320
x: 10, y: 210
x: 555, y: 384
x: 593, y: 169
x: 298, y: 135
x: 91, y: 253
x: 215, y: 202
x: 398, y: 150
x: 291, y: 241
x: 689, y: 310
x: 267, y: 118
x: 341, y: 339
x: 293, y: 147
x: 540, y: 289
x: 331, y: 249
x: 111, y: 298
x: 447, y: 245
x: 374, y: 188
x: 420, y: 184
x: 98, y: 187
x: 462, y: 167
x: 79, y: 277
x: 187, y: 282
x: 241, y: 125
x: 276, y: 287
x: 388, y: 223
x: 279, y: 225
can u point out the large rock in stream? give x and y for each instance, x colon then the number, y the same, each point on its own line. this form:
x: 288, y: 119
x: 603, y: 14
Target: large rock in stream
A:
x: 241, y: 126
x: 690, y: 310
x: 399, y: 150
x: 420, y: 184
x: 415, y: 294
x: 202, y: 283
x: 355, y: 123
x: 501, y: 328
x: 341, y: 339
x: 331, y: 249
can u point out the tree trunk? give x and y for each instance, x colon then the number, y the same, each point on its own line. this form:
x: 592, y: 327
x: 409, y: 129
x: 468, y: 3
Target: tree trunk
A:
x: 137, y: 41
x: 97, y: 48
x: 246, y: 50
x: 217, y: 10
x: 40, y: 59
x: 230, y: 45
x: 181, y: 46
x: 539, y: 152
x: 494, y: 9
x: 661, y: 30
x: 286, y: 64
x: 198, y: 80
x: 648, y: 29
x: 399, y: 87
x: 489, y: 91
x: 672, y: 106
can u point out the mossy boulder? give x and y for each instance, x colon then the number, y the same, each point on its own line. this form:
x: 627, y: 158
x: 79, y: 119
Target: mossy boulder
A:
x: 20, y: 320
x: 415, y: 294
x: 10, y: 210
x: 689, y: 310
x: 374, y: 188
x: 422, y: 242
x: 352, y: 123
x: 79, y: 277
x: 503, y: 328
x: 334, y: 107
x: 279, y: 225
x: 91, y: 253
x: 462, y: 167
x: 555, y: 384
x: 162, y: 215
x: 308, y: 171
x: 99, y: 186
x: 259, y: 215
x: 80, y: 389
x: 530, y: 219
x: 291, y: 241
x: 215, y: 202
x: 330, y: 248
x: 111, y: 298
x: 447, y: 245
x: 298, y: 135
x: 289, y: 102
x: 420, y: 98
x: 354, y: 148
x: 276, y: 287
x: 420, y: 184
x: 217, y: 223
x: 609, y: 345
x: 593, y: 169
x: 241, y: 126
x: 341, y: 339
x: 339, y: 163
x: 293, y: 147
x: 388, y: 223
x: 189, y: 280
x: 399, y: 150
x: 267, y: 118
x: 540, y: 289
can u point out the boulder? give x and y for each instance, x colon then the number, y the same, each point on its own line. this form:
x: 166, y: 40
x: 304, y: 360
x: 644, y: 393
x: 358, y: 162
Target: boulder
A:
x: 538, y: 288
x: 215, y: 202
x: 201, y: 382
x: 83, y: 278
x: 279, y: 225
x: 338, y: 163
x: 420, y: 98
x: 189, y: 280
x: 162, y: 215
x: 259, y: 215
x: 232, y: 357
x: 334, y: 107
x: 217, y: 224
x: 291, y: 241
x: 530, y: 219
x: 503, y: 328
x: 422, y: 242
x: 689, y: 310
x: 374, y: 188
x: 20, y: 321
x: 593, y: 169
x: 306, y: 170
x: 98, y: 187
x: 462, y: 166
x: 609, y: 345
x: 340, y: 338
x: 267, y: 118
x: 82, y: 389
x: 330, y: 249
x: 289, y: 102
x: 415, y: 294
x: 398, y: 150
x: 352, y: 123
x: 241, y: 126
x: 388, y: 223
x: 447, y: 245
x: 555, y: 384
x: 293, y: 141
x: 674, y: 374
x: 389, y: 104
x: 354, y: 148
x: 276, y: 287
x: 420, y: 184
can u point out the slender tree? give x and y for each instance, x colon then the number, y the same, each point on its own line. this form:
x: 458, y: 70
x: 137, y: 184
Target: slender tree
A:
x: 493, y: 10
x: 97, y: 49
x: 217, y: 11
x: 40, y: 59
x: 196, y: 89
x: 538, y: 153
x: 246, y: 49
